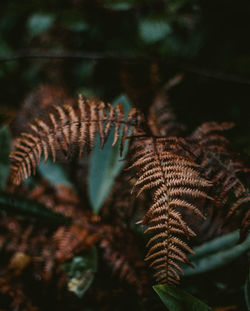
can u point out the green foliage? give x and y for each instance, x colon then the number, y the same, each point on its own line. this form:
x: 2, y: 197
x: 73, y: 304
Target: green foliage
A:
x: 4, y: 48
x: 217, y: 253
x: 39, y: 23
x: 73, y: 21
x: 217, y: 244
x: 119, y: 5
x: 178, y: 300
x: 54, y: 173
x: 5, y: 146
x: 247, y: 291
x: 13, y: 204
x: 81, y: 271
x: 105, y: 165
x: 153, y: 30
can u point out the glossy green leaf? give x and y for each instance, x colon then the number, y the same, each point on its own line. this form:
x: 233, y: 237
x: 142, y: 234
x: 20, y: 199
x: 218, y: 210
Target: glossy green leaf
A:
x: 39, y: 23
x: 19, y: 206
x: 5, y: 146
x: 54, y: 173
x: 105, y: 165
x: 81, y: 271
x: 178, y: 300
x: 215, y: 245
x: 153, y: 30
x: 217, y: 253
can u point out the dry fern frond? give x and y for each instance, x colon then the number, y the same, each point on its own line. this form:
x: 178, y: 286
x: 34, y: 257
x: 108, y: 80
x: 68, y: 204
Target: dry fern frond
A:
x: 176, y: 184
x: 220, y: 165
x: 121, y: 251
x: 162, y: 120
x: 68, y: 127
x: 245, y: 227
x: 41, y: 99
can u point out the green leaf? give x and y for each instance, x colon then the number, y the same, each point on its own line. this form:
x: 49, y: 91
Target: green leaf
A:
x: 39, y: 23
x: 178, y: 300
x: 217, y: 253
x: 54, y: 173
x: 5, y: 49
x: 119, y: 6
x: 105, y: 165
x: 20, y: 206
x: 81, y: 271
x: 5, y: 146
x: 153, y: 30
x: 73, y: 20
x: 247, y: 291
x: 217, y: 244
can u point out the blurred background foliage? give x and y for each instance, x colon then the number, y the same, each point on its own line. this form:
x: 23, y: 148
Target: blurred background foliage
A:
x: 105, y: 48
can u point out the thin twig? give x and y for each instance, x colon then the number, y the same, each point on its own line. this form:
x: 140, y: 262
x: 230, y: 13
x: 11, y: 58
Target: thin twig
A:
x: 51, y: 54
x: 95, y: 56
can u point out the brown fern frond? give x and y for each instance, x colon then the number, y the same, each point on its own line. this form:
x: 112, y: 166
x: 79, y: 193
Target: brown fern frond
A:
x: 162, y: 120
x: 176, y: 184
x: 245, y: 227
x: 72, y: 240
x: 208, y: 128
x: 68, y: 127
x: 122, y: 253
x: 220, y: 165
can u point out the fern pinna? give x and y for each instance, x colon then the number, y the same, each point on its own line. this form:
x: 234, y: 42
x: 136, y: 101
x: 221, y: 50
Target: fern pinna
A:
x: 175, y: 170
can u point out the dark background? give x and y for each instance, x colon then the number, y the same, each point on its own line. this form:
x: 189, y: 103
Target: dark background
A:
x: 105, y: 48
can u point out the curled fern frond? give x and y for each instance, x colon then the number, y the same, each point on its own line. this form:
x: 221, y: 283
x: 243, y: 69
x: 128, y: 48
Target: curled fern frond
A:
x: 67, y: 127
x: 176, y: 185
